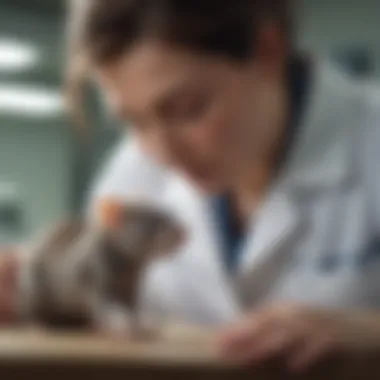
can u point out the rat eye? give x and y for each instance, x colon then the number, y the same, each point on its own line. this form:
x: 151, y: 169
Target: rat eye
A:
x: 148, y: 222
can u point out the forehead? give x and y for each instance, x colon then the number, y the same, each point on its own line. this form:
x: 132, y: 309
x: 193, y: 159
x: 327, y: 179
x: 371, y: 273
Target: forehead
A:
x: 146, y: 72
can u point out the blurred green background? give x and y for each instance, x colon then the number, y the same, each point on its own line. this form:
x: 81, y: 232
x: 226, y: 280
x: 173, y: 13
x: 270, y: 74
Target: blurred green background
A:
x: 44, y: 173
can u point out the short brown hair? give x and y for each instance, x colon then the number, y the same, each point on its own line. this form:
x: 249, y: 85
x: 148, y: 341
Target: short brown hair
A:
x: 218, y: 27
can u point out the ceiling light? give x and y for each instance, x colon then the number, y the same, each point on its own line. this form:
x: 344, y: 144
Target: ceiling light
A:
x: 30, y: 101
x: 16, y: 56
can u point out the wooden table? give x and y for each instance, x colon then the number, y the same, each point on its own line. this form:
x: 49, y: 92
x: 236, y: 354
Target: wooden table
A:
x: 39, y: 355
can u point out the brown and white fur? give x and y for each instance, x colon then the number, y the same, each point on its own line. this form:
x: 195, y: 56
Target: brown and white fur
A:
x: 71, y: 276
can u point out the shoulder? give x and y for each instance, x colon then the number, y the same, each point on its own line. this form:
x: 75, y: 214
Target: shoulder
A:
x: 127, y: 171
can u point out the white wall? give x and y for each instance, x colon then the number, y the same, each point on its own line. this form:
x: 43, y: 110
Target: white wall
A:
x: 37, y: 159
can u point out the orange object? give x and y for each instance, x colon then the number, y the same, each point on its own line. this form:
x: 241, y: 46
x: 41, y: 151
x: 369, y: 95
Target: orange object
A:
x: 110, y: 213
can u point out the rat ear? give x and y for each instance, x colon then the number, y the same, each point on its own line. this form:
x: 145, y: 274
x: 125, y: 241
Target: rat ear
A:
x: 110, y: 213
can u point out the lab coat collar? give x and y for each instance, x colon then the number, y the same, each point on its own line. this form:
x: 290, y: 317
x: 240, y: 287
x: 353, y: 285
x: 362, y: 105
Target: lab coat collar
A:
x: 209, y: 288
x: 320, y: 155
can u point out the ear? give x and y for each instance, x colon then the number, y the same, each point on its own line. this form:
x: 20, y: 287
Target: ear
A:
x: 110, y: 213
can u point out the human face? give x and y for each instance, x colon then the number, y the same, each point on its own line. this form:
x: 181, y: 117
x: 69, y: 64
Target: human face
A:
x: 206, y: 117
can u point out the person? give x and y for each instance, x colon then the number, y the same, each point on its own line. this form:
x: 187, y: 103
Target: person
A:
x: 267, y: 155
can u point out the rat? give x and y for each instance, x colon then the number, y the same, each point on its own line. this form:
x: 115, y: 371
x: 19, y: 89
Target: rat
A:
x: 71, y: 276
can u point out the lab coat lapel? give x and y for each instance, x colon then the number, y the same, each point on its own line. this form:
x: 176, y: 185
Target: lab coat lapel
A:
x: 273, y: 230
x: 205, y: 280
x: 318, y: 161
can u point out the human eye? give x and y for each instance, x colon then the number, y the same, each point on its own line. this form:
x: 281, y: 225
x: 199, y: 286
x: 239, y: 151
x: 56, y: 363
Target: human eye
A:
x: 190, y: 108
x: 186, y: 109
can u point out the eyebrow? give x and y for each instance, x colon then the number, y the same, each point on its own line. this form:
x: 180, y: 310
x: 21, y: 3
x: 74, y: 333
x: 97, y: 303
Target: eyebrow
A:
x: 172, y: 92
x: 176, y: 91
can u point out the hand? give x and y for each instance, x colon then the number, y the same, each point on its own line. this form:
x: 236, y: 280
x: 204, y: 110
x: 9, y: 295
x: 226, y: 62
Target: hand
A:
x: 8, y: 272
x: 300, y: 336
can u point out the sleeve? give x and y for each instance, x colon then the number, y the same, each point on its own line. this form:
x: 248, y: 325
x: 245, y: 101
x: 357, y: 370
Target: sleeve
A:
x: 127, y: 172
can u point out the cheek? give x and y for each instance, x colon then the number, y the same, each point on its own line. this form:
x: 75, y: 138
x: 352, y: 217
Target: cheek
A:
x: 227, y: 138
x: 248, y: 128
x: 214, y: 137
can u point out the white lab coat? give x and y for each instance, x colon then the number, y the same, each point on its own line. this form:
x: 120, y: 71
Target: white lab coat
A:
x: 315, y: 239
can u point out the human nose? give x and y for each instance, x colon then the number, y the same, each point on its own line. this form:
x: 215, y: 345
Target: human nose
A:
x: 168, y: 145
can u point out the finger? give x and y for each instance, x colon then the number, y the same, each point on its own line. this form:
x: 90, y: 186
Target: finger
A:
x: 237, y: 332
x: 244, y: 342
x: 280, y: 337
x: 233, y: 341
x: 310, y: 354
x: 272, y: 344
x: 262, y: 333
